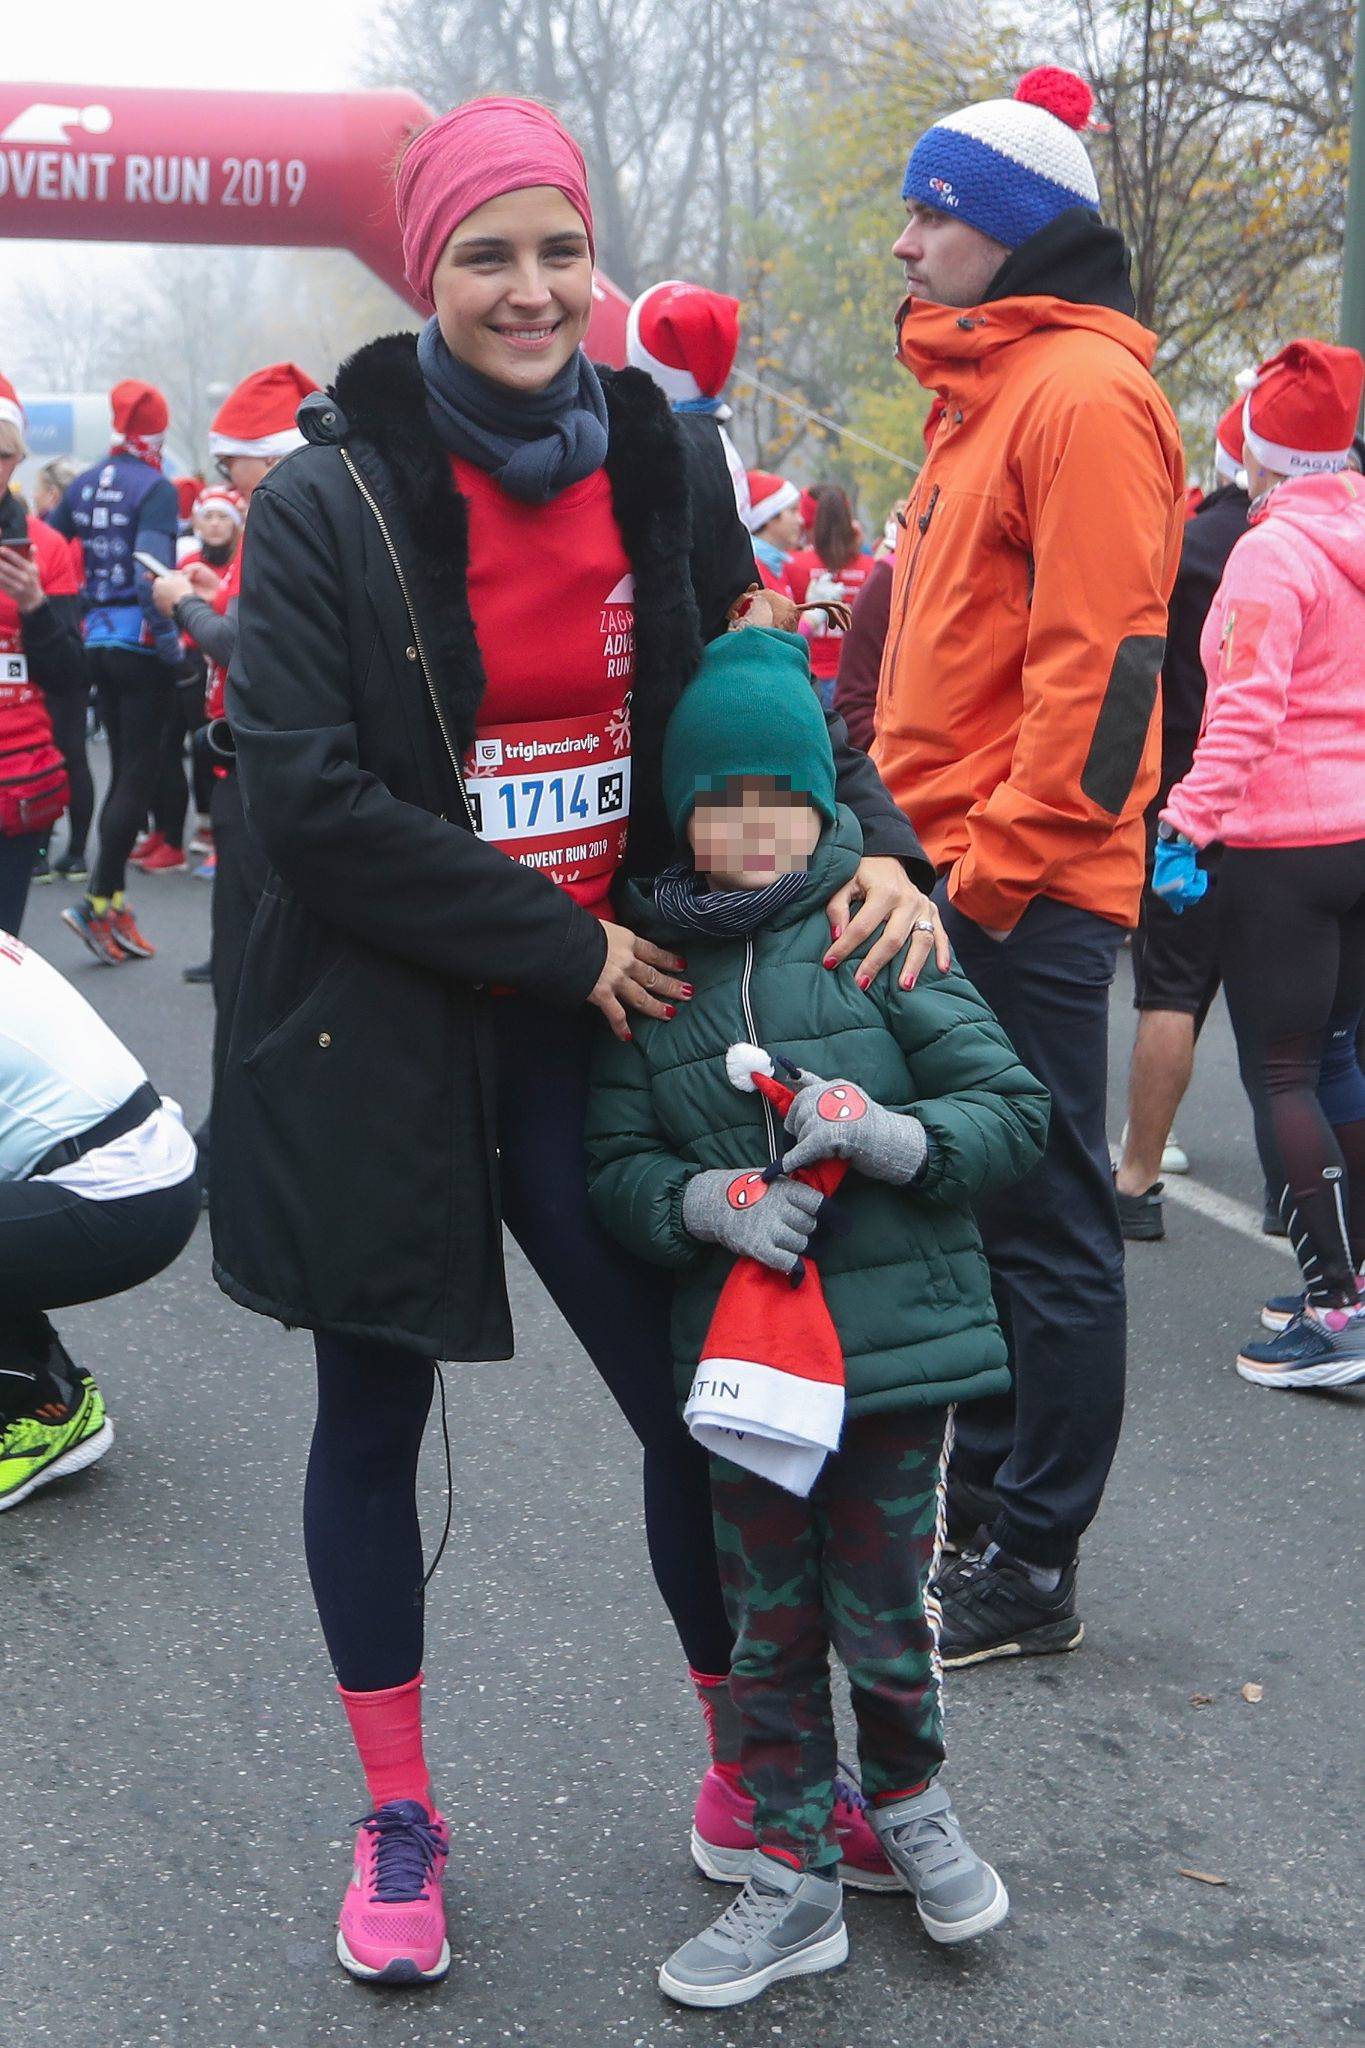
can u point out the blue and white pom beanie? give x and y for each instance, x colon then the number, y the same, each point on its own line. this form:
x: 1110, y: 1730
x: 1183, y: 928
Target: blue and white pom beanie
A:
x: 1008, y: 167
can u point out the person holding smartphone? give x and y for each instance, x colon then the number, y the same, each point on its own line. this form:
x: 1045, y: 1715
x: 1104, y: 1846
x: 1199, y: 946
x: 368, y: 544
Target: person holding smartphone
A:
x: 41, y: 662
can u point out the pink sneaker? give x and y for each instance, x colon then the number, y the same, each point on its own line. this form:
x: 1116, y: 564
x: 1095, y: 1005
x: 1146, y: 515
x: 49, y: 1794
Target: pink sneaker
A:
x: 723, y: 1836
x: 393, y: 1919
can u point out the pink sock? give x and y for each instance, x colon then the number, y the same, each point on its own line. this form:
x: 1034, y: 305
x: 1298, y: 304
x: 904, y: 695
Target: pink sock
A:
x: 387, y: 1727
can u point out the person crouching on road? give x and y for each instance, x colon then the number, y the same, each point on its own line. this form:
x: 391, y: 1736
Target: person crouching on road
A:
x: 97, y: 1194
x: 823, y: 1537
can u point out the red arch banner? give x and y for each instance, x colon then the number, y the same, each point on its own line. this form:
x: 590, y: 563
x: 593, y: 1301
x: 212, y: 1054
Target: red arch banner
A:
x: 266, y: 170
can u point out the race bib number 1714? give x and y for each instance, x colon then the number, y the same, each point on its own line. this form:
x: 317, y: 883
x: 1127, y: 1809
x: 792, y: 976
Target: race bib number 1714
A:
x: 556, y: 795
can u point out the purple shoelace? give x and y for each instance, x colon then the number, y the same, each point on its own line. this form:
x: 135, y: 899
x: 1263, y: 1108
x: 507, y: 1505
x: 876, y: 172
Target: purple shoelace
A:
x: 407, y: 1844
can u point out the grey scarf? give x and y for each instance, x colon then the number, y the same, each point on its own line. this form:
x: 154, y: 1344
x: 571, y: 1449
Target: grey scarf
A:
x: 535, y: 444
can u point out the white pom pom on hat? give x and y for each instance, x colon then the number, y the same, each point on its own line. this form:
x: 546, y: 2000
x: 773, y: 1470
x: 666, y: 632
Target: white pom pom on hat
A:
x: 742, y: 1062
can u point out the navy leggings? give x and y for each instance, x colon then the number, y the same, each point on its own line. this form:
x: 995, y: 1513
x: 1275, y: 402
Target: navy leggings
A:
x: 361, y: 1530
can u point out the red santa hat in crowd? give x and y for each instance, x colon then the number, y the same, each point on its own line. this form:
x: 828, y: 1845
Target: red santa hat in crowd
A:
x: 141, y: 417
x: 686, y: 337
x: 187, y: 489
x: 1300, y: 415
x: 258, y: 417
x: 1227, y: 445
x: 768, y: 1391
x: 768, y: 496
x: 221, y: 498
x: 11, y: 411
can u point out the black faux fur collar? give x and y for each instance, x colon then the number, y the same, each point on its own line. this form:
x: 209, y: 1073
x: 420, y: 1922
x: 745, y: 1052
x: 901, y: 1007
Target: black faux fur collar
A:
x: 377, y: 409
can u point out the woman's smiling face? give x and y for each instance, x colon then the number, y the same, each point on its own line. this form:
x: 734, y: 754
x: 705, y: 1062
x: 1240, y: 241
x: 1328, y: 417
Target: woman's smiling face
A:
x: 513, y: 287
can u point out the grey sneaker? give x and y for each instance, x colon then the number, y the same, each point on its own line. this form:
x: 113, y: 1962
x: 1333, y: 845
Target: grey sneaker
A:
x: 785, y: 1923
x: 957, y: 1894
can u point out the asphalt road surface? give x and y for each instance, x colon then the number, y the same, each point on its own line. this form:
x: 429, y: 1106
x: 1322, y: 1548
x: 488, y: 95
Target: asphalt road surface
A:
x: 180, y: 1786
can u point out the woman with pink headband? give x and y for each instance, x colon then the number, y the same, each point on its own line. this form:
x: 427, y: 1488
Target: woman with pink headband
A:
x: 469, y: 605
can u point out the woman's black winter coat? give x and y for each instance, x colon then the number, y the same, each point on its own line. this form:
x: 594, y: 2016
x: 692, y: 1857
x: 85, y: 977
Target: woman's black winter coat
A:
x: 354, y: 1170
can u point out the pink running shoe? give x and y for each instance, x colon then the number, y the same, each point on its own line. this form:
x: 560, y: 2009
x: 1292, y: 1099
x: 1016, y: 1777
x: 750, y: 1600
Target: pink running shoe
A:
x: 393, y: 1919
x: 723, y: 1836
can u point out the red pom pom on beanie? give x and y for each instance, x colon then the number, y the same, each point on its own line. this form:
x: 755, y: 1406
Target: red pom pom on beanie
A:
x: 1057, y: 92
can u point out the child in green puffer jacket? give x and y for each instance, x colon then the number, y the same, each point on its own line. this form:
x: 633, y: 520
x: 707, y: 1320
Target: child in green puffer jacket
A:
x: 914, y: 1103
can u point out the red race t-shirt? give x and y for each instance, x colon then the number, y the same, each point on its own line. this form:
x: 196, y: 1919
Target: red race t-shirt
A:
x: 809, y: 581
x: 24, y: 717
x: 553, y: 602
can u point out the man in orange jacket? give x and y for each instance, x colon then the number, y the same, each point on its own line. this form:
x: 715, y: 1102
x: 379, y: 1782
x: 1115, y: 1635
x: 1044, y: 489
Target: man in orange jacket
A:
x: 1016, y: 723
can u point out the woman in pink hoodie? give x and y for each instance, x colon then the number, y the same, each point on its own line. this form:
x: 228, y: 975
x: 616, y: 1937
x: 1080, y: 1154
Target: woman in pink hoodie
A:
x: 1279, y: 778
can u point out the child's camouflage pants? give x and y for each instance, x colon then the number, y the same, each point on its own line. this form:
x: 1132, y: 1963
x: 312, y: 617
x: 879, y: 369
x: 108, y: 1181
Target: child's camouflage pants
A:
x: 849, y: 1567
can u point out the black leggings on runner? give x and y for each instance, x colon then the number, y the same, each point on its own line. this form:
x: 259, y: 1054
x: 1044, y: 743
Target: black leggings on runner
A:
x: 361, y: 1531
x: 1292, y: 938
x: 58, y: 1247
x: 134, y: 694
x: 68, y: 713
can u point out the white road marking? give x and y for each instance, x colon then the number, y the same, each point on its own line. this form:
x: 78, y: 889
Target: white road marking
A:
x: 1192, y: 1194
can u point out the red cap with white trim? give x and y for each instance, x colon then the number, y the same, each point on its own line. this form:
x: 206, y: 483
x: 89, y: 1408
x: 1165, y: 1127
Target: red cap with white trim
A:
x: 686, y: 337
x: 221, y: 498
x: 768, y: 495
x: 10, y: 409
x: 258, y: 417
x: 1227, y: 450
x: 1300, y: 414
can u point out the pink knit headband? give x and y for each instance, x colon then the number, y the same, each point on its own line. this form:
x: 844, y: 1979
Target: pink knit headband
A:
x: 478, y: 152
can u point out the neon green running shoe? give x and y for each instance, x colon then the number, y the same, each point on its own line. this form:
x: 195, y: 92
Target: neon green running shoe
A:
x: 63, y: 1429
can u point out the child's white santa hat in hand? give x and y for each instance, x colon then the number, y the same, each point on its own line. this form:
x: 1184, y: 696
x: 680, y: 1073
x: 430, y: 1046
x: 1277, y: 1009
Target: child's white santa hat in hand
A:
x: 768, y: 1392
x: 1300, y: 414
x: 686, y: 337
x: 258, y: 417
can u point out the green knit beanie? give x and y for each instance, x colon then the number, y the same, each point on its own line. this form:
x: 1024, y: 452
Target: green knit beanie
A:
x: 749, y: 710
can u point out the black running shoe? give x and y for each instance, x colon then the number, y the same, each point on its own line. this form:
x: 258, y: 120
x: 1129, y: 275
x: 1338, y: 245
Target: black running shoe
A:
x: 71, y: 868
x: 992, y: 1608
x: 196, y: 976
x: 971, y: 1511
x: 1141, y: 1218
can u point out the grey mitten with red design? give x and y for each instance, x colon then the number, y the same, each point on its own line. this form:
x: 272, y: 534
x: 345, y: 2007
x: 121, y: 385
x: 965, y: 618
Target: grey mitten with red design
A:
x: 839, y: 1120
x: 770, y: 1221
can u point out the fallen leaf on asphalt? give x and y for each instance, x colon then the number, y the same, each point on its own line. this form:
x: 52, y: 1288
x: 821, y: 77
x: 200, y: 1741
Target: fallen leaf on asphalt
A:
x: 1200, y: 1876
x: 1201, y: 1699
x: 1253, y: 1693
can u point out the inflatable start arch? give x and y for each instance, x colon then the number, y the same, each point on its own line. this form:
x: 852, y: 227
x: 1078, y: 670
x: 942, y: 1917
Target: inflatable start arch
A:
x: 267, y: 169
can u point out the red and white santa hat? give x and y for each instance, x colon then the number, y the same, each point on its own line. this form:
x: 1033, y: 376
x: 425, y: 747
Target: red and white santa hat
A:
x: 768, y: 1391
x: 11, y: 412
x: 221, y: 498
x: 140, y: 417
x: 258, y: 417
x: 686, y: 337
x: 1300, y: 414
x: 768, y: 495
x: 1227, y: 444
